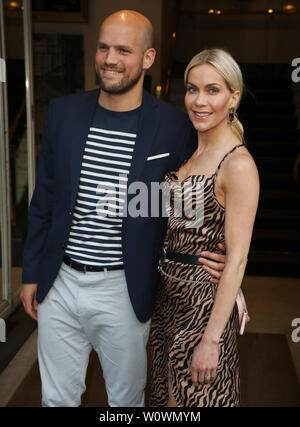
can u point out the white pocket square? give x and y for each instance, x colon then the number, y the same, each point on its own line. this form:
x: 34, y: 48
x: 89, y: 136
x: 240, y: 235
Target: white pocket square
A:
x: 158, y: 156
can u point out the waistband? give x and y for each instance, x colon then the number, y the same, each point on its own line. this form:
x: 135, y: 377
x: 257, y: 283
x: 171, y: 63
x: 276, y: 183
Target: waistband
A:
x: 85, y: 267
x: 183, y: 258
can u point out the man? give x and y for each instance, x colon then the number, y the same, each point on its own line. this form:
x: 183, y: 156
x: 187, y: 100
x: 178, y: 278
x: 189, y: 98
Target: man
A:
x: 89, y: 277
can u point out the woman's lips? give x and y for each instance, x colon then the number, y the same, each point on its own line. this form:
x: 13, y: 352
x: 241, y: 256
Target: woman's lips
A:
x: 201, y: 115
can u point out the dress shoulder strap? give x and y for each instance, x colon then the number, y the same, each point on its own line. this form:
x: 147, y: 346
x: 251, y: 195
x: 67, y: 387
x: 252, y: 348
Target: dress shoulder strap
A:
x: 227, y: 154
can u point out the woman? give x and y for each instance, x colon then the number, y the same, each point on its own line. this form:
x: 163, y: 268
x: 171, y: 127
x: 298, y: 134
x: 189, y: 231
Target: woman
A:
x: 194, y: 332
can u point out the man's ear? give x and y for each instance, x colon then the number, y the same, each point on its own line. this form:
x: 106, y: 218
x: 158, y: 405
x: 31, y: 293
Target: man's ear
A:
x: 149, y: 57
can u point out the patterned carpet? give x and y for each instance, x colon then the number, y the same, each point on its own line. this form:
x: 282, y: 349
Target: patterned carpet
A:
x: 268, y: 377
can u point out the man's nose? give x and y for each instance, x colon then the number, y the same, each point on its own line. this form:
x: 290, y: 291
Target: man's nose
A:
x: 111, y: 57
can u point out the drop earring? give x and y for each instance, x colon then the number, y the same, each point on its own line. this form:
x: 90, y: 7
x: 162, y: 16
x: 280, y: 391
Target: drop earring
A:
x: 232, y: 117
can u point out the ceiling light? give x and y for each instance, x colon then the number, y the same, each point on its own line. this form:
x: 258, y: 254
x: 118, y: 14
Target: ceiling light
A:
x: 289, y: 8
x: 14, y: 4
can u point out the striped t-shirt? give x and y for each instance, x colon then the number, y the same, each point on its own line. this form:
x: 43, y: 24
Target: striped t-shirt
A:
x: 96, y: 232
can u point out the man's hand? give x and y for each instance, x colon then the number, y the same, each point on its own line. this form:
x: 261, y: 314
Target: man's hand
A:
x: 215, y: 264
x: 27, y: 296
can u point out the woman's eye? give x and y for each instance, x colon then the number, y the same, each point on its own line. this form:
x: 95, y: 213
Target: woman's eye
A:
x: 213, y: 90
x: 191, y: 89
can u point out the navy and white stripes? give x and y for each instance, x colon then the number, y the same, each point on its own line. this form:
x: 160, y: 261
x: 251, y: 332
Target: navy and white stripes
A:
x: 96, y: 232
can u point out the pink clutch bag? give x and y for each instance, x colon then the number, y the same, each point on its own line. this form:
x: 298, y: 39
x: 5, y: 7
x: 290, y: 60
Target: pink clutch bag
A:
x: 243, y: 312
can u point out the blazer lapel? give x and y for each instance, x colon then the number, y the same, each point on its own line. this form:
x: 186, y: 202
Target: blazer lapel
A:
x: 148, y: 124
x: 82, y: 122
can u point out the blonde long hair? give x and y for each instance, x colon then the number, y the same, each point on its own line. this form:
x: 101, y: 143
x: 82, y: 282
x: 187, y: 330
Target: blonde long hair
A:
x: 229, y: 70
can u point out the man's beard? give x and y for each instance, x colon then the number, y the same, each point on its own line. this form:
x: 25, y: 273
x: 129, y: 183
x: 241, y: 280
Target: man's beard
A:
x: 124, y: 85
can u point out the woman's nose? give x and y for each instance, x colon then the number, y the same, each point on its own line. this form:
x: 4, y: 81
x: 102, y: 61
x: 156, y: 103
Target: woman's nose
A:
x: 200, y: 99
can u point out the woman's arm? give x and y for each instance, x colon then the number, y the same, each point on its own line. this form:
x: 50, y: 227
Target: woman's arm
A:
x: 240, y: 183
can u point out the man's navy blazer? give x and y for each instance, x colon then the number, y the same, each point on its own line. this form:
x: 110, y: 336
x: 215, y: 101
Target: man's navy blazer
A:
x: 161, y: 129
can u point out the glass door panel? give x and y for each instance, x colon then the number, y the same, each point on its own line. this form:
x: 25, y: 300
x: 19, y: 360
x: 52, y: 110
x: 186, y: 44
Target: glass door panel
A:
x: 15, y: 59
x: 17, y: 141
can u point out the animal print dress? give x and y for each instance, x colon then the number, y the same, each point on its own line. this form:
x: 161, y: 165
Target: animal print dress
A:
x: 185, y: 301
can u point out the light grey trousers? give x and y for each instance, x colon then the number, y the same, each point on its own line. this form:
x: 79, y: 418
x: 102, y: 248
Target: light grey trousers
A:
x: 84, y: 311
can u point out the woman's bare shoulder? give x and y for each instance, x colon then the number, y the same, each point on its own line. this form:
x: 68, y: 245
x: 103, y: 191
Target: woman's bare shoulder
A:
x: 238, y: 160
x: 239, y: 167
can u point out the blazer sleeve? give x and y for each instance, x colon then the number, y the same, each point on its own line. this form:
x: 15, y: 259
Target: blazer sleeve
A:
x: 40, y: 210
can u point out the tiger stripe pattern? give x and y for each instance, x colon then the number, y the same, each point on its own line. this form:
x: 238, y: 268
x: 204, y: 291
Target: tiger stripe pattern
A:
x: 185, y: 300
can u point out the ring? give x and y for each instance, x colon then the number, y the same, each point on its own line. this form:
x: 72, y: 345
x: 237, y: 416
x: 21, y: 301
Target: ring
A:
x: 207, y: 378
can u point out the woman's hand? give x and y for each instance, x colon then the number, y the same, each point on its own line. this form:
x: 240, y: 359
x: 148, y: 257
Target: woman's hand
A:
x: 204, y: 362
